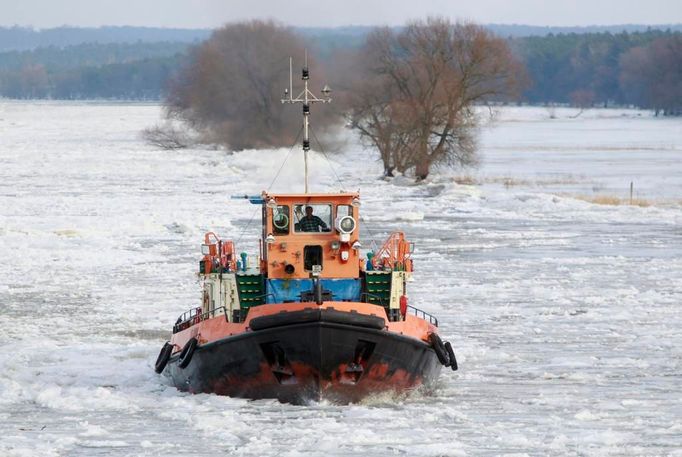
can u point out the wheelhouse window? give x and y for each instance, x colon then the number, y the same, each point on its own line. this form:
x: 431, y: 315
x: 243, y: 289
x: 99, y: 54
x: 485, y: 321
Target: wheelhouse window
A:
x: 344, y: 210
x: 280, y: 220
x: 312, y: 218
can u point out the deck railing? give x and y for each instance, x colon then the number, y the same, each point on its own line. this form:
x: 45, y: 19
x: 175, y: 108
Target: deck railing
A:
x: 423, y: 314
x: 194, y: 316
x: 410, y: 309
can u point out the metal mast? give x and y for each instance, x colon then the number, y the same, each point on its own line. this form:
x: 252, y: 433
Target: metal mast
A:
x: 307, y: 98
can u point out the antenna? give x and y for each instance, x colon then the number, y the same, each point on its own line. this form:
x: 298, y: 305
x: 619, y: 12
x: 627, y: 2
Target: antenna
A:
x: 307, y: 98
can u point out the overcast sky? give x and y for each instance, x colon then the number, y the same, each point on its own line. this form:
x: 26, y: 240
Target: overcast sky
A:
x: 212, y: 13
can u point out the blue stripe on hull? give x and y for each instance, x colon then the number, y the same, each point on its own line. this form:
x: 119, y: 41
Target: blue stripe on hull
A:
x: 288, y: 290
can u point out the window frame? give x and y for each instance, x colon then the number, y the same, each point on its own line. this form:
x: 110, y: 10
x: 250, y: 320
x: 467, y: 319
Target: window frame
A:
x: 330, y: 224
x: 275, y: 230
x: 351, y: 213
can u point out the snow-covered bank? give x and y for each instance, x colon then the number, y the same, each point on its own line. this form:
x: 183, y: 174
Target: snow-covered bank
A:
x: 599, y: 153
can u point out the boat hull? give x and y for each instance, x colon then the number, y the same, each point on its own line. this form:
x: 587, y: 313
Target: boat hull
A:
x: 308, y: 361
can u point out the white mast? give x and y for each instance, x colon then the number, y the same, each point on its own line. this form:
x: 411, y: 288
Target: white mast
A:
x: 307, y: 98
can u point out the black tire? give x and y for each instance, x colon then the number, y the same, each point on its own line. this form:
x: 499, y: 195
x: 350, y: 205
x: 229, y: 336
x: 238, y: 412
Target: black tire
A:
x: 163, y: 357
x: 187, y: 353
x: 451, y: 356
x: 438, y: 346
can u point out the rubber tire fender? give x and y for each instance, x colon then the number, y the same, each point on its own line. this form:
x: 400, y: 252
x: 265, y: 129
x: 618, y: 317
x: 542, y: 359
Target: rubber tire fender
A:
x: 451, y: 356
x: 438, y: 346
x: 163, y: 357
x: 187, y: 353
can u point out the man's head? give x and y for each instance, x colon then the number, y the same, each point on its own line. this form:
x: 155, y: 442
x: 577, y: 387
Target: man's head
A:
x: 308, y: 211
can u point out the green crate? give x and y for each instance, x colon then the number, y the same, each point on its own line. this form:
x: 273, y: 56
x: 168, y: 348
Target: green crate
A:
x: 251, y: 289
x: 378, y: 287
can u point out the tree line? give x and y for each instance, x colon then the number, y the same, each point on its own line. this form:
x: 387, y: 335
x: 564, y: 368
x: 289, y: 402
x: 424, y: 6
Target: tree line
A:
x: 91, y: 71
x: 581, y: 69
x: 27, y: 38
x: 638, y: 69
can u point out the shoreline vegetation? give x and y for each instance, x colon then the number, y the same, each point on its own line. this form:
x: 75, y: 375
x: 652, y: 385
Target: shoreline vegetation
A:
x: 580, y: 67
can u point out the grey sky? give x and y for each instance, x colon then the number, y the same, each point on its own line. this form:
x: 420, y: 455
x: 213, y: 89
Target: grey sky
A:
x: 211, y: 13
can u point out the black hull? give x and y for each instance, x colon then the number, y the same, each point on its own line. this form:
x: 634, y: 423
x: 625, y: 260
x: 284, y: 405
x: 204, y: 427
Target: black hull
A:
x: 308, y: 361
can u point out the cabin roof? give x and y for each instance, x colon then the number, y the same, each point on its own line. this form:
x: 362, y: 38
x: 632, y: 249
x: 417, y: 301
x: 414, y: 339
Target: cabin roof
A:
x: 305, y: 196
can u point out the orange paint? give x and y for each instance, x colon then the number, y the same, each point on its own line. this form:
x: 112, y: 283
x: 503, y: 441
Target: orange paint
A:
x: 220, y: 253
x: 394, y: 254
x: 414, y: 327
x: 288, y: 248
x: 216, y: 328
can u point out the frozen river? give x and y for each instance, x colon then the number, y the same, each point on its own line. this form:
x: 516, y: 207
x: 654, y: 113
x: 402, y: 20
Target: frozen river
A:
x: 565, y: 315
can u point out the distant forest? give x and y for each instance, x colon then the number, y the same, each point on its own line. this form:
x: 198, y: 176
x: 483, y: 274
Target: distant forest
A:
x: 581, y: 67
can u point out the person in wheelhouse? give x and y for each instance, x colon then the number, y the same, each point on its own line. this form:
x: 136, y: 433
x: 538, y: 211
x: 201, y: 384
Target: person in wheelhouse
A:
x: 311, y: 223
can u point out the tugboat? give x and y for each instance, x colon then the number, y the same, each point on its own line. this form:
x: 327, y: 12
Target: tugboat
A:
x: 308, y: 318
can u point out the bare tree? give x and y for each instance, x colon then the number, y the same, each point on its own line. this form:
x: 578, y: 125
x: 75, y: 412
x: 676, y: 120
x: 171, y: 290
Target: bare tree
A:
x: 168, y: 136
x: 230, y: 90
x: 583, y: 99
x: 415, y: 100
x: 379, y: 114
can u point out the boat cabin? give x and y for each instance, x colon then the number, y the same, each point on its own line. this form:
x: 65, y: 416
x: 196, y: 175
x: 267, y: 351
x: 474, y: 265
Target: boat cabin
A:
x: 311, y: 234
x: 309, y: 252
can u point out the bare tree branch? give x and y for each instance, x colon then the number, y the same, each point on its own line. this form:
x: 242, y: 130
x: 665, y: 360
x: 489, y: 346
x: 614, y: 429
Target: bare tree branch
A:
x: 414, y: 100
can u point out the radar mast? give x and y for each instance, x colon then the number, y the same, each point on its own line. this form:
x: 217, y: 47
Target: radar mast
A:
x: 307, y: 98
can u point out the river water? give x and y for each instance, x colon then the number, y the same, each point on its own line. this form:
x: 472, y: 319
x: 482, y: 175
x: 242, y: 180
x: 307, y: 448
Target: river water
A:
x: 564, y: 314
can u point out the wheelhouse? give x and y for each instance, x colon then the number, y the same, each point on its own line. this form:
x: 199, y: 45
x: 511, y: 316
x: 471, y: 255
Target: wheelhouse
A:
x: 311, y: 233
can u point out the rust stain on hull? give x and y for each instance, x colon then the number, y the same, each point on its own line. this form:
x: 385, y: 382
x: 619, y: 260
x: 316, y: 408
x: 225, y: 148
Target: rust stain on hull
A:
x: 305, y: 362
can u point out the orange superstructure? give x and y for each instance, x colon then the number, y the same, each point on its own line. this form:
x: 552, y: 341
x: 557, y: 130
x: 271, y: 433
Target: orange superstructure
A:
x: 289, y: 251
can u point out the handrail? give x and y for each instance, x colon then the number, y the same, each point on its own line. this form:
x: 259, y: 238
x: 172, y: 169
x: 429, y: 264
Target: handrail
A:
x: 185, y: 320
x: 212, y: 313
x: 417, y: 312
x: 424, y: 315
x: 194, y: 316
